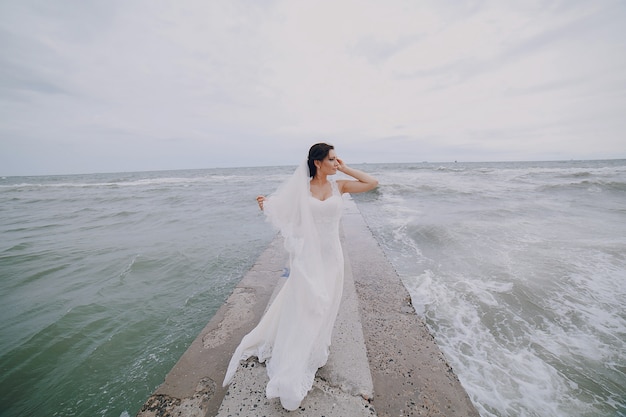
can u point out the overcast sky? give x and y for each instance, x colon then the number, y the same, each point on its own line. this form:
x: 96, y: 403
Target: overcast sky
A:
x: 132, y: 85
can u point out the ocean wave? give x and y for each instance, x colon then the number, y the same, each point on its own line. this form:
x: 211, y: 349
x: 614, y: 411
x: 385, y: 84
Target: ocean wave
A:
x: 579, y: 174
x: 587, y: 185
x: 407, y: 188
x: 107, y: 184
x: 615, y: 186
x: 143, y: 182
x: 449, y: 169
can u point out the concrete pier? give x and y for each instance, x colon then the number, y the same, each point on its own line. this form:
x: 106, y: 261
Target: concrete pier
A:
x: 383, y: 361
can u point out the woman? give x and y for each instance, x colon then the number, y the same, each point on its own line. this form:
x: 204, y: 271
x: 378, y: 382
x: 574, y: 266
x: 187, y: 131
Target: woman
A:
x: 294, y: 334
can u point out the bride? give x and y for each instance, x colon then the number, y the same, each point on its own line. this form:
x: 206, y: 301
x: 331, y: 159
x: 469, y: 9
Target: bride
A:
x: 293, y: 336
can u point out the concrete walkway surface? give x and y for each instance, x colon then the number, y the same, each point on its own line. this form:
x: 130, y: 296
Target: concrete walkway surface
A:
x: 383, y: 361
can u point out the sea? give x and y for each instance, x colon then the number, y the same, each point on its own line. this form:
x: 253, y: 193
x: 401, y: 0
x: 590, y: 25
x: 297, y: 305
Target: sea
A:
x: 518, y: 269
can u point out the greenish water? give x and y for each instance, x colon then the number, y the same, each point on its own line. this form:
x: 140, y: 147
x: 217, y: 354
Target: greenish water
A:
x: 106, y: 279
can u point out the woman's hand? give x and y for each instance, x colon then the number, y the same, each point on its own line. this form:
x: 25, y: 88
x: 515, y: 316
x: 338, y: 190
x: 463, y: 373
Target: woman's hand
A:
x: 260, y: 199
x: 342, y: 165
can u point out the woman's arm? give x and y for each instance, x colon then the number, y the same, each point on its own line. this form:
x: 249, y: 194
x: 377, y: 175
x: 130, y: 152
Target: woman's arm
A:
x: 364, y: 182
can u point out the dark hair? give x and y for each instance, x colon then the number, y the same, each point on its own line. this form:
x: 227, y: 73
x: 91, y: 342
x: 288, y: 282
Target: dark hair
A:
x: 318, y: 152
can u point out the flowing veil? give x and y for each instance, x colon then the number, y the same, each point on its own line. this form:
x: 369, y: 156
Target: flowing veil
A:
x: 288, y: 209
x: 294, y: 333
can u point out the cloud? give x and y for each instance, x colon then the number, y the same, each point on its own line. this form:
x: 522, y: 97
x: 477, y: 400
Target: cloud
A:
x: 132, y: 85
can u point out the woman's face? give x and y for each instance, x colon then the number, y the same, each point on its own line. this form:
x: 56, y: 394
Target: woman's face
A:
x: 329, y: 164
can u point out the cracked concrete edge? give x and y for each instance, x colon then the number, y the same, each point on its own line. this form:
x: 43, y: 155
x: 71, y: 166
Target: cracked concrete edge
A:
x: 159, y: 405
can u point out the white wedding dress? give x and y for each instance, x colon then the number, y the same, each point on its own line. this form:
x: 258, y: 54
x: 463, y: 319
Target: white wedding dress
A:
x: 293, y: 336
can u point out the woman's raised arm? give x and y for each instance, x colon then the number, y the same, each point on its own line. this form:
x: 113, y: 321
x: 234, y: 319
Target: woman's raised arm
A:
x: 364, y: 182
